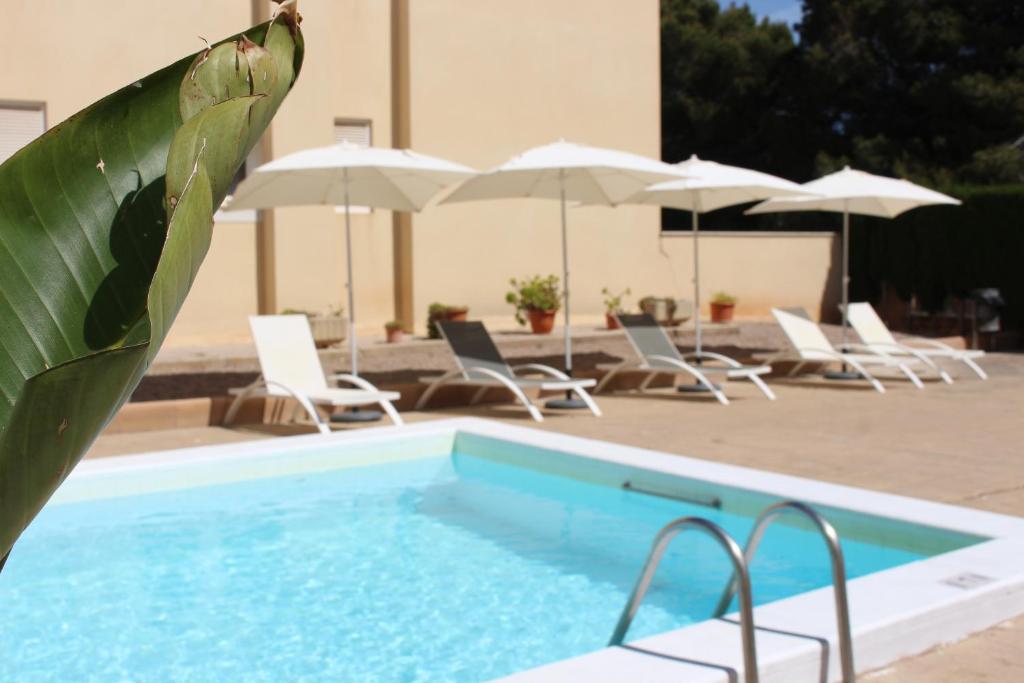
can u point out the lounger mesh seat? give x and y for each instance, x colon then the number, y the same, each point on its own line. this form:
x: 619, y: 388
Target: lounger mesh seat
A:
x: 290, y: 367
x: 658, y: 355
x: 481, y: 364
x: 874, y: 334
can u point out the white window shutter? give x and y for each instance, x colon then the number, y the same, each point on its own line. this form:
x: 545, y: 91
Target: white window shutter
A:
x: 357, y: 133
x: 353, y: 132
x: 18, y: 127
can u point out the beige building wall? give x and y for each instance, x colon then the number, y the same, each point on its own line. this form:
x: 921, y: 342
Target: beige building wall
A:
x: 517, y: 75
x: 488, y: 79
x: 762, y: 269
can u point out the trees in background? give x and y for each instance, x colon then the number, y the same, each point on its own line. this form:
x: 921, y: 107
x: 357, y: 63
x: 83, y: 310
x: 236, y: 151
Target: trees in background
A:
x: 927, y: 89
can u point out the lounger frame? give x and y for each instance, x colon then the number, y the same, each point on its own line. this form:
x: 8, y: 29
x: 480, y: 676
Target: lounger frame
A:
x: 654, y: 364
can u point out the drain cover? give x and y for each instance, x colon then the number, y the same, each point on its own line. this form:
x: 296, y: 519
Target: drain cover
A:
x: 967, y: 580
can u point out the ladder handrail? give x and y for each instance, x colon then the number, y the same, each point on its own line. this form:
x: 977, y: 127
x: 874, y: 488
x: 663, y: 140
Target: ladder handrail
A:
x: 661, y: 541
x: 831, y: 537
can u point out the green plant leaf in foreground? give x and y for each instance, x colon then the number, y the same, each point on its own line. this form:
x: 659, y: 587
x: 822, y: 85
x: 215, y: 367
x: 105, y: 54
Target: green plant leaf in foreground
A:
x: 104, y: 222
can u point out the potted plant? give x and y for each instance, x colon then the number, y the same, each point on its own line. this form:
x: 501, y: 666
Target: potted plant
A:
x: 663, y: 309
x: 457, y: 314
x: 613, y: 305
x: 438, y: 311
x: 327, y: 328
x: 394, y: 332
x: 537, y: 297
x: 722, y: 307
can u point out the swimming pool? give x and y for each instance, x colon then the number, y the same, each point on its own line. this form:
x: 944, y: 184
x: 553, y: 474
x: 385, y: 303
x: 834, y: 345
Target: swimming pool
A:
x: 458, y: 550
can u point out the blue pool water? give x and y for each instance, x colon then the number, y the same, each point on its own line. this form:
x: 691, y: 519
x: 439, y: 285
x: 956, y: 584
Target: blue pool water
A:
x: 453, y: 568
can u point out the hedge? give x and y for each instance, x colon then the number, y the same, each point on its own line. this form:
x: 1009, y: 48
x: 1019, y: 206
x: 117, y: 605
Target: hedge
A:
x: 932, y: 252
x: 940, y: 251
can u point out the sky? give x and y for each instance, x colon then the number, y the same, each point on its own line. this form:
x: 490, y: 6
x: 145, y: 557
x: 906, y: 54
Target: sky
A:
x: 776, y: 10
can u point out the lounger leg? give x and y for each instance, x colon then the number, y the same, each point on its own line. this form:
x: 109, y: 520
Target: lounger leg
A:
x: 392, y: 412
x: 647, y: 381
x: 608, y: 377
x: 865, y: 374
x: 527, y: 403
x: 974, y: 366
x: 795, y: 369
x: 586, y: 398
x: 915, y: 380
x: 478, y: 395
x: 765, y: 389
x: 437, y: 384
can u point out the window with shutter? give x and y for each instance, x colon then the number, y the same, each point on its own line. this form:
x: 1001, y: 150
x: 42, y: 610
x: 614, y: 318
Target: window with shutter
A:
x: 356, y: 132
x: 20, y: 124
x: 353, y: 131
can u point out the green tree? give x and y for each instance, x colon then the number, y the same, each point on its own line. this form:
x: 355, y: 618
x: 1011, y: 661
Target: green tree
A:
x: 929, y: 89
x: 723, y: 88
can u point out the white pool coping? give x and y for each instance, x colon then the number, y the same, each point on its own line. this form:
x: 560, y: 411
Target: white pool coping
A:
x: 894, y: 613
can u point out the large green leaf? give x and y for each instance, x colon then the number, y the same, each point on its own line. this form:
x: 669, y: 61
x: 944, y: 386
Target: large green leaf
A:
x: 104, y: 222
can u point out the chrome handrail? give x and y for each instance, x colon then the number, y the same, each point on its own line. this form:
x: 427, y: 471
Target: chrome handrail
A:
x: 828, y: 532
x: 739, y: 565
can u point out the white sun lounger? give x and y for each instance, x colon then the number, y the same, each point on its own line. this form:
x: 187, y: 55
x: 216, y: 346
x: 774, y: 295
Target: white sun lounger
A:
x: 482, y: 365
x: 291, y: 368
x: 873, y: 332
x: 810, y: 345
x: 657, y: 355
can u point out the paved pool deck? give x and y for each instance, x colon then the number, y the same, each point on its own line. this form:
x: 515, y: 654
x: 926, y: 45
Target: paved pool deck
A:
x: 959, y: 444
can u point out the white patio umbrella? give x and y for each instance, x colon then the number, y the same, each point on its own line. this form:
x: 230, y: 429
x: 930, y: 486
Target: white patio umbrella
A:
x: 709, y: 186
x: 849, y: 191
x: 347, y: 175
x: 567, y: 172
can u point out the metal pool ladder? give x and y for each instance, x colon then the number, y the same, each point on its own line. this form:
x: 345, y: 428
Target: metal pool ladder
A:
x: 740, y: 575
x: 740, y: 580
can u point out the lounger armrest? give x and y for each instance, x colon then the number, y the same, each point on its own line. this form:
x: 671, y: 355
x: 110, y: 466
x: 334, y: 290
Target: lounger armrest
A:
x: 354, y: 380
x: 905, y: 350
x: 668, y: 360
x: 873, y: 349
x: 936, y: 344
x: 731, y: 362
x: 542, y: 369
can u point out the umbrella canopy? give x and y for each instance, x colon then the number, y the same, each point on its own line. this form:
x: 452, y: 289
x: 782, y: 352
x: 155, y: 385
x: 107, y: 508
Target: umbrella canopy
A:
x: 567, y: 171
x: 397, y: 179
x: 709, y: 186
x: 580, y: 173
x: 343, y: 175
x: 850, y: 191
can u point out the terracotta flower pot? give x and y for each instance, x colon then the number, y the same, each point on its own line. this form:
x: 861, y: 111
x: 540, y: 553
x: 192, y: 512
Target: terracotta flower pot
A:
x: 458, y: 315
x: 611, y: 321
x: 395, y: 334
x: 722, y: 313
x: 541, y: 322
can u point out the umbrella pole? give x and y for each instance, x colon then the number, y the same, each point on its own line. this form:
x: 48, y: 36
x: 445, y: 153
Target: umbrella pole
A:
x: 353, y: 347
x: 846, y: 268
x: 695, y: 220
x: 568, y: 401
x: 696, y: 387
x: 355, y: 414
x: 845, y: 372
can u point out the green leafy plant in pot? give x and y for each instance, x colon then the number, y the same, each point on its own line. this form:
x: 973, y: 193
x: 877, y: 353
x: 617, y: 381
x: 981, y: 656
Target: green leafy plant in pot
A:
x: 394, y: 331
x: 612, y: 306
x: 536, y: 299
x: 438, y: 311
x: 722, y: 307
